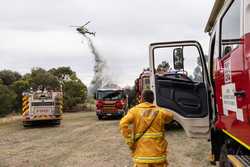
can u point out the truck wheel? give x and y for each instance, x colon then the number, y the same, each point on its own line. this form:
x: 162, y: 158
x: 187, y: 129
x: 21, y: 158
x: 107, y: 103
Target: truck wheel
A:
x: 121, y: 116
x: 26, y: 124
x: 223, y: 157
x: 58, y: 122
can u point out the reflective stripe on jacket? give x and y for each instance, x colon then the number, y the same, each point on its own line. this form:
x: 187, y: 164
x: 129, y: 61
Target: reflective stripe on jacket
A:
x: 152, y: 146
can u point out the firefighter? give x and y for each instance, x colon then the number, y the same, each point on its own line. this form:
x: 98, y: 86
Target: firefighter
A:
x: 143, y: 130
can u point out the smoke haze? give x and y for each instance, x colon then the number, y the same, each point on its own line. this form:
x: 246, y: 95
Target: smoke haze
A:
x: 101, y: 78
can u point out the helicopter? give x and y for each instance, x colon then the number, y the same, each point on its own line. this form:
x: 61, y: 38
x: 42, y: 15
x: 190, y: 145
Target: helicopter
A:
x: 83, y: 30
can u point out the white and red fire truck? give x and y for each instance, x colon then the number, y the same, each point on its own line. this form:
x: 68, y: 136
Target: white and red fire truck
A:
x: 42, y: 106
x: 211, y: 98
x: 111, y: 102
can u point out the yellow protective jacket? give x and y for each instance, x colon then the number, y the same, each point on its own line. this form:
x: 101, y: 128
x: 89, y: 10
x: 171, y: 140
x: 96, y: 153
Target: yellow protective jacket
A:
x: 152, y: 146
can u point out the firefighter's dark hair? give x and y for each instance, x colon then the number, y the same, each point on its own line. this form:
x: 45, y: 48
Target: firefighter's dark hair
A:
x: 148, y: 96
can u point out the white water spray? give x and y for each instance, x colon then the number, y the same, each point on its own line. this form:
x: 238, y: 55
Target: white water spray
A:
x: 101, y: 78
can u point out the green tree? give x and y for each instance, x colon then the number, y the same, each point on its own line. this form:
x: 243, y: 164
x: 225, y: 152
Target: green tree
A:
x: 12, y: 85
x: 63, y: 73
x: 27, y: 77
x: 7, y: 99
x: 75, y: 92
x: 40, y: 77
x: 19, y: 87
x: 8, y: 77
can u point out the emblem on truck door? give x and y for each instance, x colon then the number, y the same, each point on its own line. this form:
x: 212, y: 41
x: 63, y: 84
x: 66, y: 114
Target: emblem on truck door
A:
x: 230, y: 102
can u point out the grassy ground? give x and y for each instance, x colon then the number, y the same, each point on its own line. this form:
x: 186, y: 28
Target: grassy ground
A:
x: 82, y: 140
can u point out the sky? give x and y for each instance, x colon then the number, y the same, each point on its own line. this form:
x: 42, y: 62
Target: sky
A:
x: 37, y: 33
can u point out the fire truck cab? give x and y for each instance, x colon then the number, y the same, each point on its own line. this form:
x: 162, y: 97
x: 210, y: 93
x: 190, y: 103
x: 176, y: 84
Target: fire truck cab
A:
x: 111, y: 102
x: 211, y: 96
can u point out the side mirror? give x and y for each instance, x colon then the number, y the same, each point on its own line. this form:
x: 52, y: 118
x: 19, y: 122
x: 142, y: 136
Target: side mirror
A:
x: 178, y: 58
x: 227, y: 50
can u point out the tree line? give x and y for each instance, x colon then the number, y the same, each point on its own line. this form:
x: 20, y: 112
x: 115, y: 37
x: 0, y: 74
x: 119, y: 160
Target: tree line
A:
x: 13, y: 84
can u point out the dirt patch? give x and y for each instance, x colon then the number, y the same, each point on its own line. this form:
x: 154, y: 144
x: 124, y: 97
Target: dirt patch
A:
x: 9, y: 119
x: 184, y: 151
x: 82, y: 140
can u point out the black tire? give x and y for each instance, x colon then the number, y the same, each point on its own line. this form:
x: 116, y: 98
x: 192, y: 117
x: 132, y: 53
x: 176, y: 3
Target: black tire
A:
x: 26, y: 124
x: 100, y: 117
x: 119, y: 117
x: 223, y: 157
x: 56, y: 122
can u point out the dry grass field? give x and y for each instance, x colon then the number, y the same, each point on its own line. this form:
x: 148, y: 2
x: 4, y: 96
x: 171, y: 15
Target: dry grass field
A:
x: 84, y: 141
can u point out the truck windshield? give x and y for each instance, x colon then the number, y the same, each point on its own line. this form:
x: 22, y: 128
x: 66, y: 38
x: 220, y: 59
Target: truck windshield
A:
x: 109, y: 95
x: 40, y: 96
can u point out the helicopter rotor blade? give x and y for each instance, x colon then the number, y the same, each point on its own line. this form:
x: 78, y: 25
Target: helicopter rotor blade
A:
x: 74, y: 26
x: 86, y: 23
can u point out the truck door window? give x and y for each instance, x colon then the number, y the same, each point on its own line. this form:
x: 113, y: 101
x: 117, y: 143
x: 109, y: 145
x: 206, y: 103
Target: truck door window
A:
x: 192, y: 69
x: 230, y: 28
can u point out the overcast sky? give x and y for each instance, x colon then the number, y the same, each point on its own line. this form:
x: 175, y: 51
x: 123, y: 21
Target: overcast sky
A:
x: 36, y: 33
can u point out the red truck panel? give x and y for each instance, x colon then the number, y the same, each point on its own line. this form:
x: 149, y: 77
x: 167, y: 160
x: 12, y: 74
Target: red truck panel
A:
x: 234, y: 123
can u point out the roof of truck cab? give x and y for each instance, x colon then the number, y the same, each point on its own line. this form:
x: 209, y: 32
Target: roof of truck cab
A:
x: 109, y: 89
x: 218, y: 5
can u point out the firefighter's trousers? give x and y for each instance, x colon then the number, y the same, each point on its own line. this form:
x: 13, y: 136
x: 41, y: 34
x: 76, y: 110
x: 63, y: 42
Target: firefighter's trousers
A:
x: 151, y: 165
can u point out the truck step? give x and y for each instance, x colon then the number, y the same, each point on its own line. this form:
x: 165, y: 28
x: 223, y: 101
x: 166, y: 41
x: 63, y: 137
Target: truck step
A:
x: 239, y: 160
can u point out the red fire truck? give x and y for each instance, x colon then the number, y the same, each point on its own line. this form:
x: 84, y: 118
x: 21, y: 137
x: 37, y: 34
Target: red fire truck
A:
x: 211, y: 98
x: 111, y: 102
x: 142, y: 83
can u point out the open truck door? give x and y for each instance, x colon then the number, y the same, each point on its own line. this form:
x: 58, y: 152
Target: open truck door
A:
x: 181, y: 86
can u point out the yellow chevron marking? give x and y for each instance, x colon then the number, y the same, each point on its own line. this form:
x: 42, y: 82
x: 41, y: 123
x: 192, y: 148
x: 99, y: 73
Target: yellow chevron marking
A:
x: 25, y: 103
x: 25, y: 98
x: 25, y: 108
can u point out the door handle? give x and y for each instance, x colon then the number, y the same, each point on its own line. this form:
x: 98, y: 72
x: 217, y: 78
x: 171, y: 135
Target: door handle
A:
x: 240, y: 93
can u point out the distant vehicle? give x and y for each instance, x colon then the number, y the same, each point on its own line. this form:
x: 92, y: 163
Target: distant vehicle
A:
x: 42, y: 106
x: 111, y: 102
x: 83, y: 30
x: 215, y: 99
x: 142, y: 83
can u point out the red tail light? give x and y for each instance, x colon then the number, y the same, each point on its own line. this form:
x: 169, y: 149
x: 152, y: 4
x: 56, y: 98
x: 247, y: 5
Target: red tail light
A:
x: 119, y: 104
x: 99, y: 104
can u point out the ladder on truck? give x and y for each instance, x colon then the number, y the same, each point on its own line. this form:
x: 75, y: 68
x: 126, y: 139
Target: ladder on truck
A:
x: 239, y: 160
